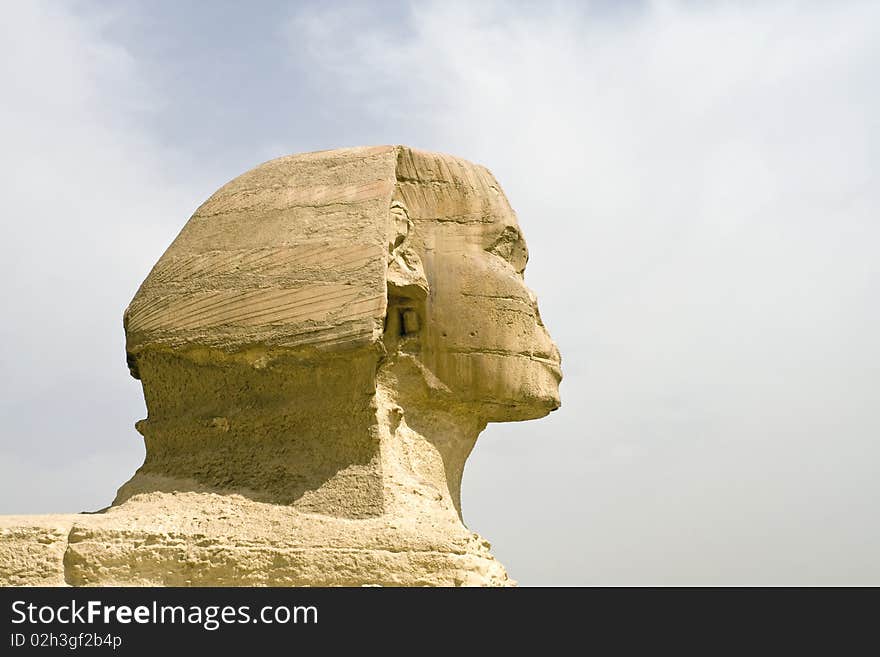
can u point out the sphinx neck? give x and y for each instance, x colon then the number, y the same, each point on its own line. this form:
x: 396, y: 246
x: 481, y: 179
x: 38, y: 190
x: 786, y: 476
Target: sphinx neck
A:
x: 315, y: 438
x: 423, y: 452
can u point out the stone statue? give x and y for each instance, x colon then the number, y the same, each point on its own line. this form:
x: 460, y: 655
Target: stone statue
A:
x: 319, y: 349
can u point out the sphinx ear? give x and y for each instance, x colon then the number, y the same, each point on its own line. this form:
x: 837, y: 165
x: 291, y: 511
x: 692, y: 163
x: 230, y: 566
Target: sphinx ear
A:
x: 408, y: 290
x: 405, y: 279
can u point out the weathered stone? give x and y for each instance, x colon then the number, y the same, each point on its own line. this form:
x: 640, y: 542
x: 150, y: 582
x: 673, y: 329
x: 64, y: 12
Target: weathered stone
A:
x: 319, y: 349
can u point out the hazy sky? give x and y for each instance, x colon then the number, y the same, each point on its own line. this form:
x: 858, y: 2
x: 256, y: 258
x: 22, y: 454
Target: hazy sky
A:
x: 699, y: 184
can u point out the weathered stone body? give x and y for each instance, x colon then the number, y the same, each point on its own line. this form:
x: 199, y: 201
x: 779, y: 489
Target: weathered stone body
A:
x: 319, y: 349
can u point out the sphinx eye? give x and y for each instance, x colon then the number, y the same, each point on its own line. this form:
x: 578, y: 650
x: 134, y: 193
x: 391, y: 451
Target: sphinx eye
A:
x: 511, y: 246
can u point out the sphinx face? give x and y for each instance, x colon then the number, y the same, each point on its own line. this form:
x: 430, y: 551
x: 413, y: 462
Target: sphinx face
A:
x: 483, y: 335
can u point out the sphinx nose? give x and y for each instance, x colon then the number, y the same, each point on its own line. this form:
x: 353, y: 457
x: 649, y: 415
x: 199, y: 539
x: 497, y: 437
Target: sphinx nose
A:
x: 547, y: 346
x: 554, y: 350
x: 533, y: 299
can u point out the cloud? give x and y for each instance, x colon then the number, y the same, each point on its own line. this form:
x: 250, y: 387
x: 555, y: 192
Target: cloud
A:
x: 88, y: 203
x: 698, y: 185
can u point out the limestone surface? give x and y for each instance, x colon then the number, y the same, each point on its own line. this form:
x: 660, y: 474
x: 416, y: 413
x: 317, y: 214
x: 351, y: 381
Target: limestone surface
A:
x: 319, y: 349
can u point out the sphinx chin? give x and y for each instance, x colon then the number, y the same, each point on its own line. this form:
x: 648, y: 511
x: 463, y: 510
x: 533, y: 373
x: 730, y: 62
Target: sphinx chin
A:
x: 532, y: 408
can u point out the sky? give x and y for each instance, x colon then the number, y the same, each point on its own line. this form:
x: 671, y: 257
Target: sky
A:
x: 698, y: 183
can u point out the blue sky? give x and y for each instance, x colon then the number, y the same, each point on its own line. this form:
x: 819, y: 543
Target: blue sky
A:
x: 697, y: 183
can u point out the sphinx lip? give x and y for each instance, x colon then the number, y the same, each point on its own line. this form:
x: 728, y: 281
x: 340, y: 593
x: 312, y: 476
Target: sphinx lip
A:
x: 552, y: 364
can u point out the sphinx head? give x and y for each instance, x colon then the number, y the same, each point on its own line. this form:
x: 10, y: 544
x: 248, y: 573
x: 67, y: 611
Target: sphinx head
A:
x: 303, y: 285
x: 332, y: 251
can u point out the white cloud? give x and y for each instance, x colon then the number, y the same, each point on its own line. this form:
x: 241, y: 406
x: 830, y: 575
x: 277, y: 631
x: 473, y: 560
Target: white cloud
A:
x: 698, y: 184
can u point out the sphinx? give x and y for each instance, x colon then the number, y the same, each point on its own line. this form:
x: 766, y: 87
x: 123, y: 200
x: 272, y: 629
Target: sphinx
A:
x: 319, y: 349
